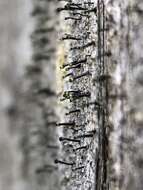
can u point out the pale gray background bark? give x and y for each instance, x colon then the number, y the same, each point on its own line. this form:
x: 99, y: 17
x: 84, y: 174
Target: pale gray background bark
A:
x: 28, y: 142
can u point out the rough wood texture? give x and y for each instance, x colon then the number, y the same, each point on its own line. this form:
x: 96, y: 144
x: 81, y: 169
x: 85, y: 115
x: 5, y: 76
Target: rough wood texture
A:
x: 86, y: 91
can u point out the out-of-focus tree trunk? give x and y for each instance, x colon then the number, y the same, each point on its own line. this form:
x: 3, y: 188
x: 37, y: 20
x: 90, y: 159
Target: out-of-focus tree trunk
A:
x: 125, y: 41
x: 28, y: 138
x: 12, y: 58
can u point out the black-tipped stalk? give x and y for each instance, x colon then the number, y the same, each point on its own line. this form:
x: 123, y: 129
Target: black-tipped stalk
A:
x: 76, y: 94
x: 74, y: 67
x: 73, y: 111
x: 64, y: 163
x: 66, y: 124
x: 73, y: 18
x: 88, y: 3
x: 70, y: 8
x: 81, y: 148
x: 68, y: 94
x: 72, y: 91
x: 87, y: 73
x: 68, y: 75
x: 84, y: 136
x: 68, y: 139
x: 63, y: 66
x: 74, y: 4
x: 81, y: 95
x: 78, y: 168
x: 69, y: 37
x: 76, y: 62
x: 94, y: 10
x: 63, y: 99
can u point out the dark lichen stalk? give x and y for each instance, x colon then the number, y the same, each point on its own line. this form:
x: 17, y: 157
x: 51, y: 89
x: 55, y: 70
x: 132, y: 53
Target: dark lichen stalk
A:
x: 81, y: 148
x: 69, y: 139
x: 70, y: 8
x: 73, y: 18
x: 94, y: 10
x: 68, y: 75
x: 74, y: 4
x: 84, y: 136
x: 86, y: 94
x: 64, y: 163
x: 73, y: 111
x: 74, y: 67
x: 78, y: 168
x: 68, y: 94
x: 88, y: 3
x: 69, y: 37
x: 71, y: 91
x: 66, y: 124
x: 76, y: 62
x: 87, y: 73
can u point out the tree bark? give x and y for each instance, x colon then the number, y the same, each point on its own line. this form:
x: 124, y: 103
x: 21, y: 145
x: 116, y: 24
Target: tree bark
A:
x: 97, y: 144
x: 28, y: 143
